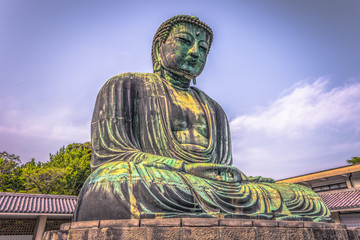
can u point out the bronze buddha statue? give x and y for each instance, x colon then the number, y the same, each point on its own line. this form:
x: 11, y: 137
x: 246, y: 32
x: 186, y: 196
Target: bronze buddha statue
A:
x: 161, y: 148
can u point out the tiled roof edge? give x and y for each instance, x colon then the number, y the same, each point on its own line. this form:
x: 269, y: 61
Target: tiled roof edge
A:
x: 37, y: 195
x: 338, y: 191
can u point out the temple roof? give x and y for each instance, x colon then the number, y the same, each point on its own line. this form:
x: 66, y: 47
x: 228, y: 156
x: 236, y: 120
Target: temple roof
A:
x: 342, y: 199
x: 36, y: 203
x: 322, y: 174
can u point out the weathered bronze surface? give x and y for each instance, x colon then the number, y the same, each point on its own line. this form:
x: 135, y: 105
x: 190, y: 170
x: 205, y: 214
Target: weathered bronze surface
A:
x: 161, y: 149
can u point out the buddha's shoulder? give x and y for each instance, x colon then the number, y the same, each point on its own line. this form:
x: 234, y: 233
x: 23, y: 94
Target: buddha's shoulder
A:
x: 204, y: 95
x: 132, y: 78
x: 214, y: 103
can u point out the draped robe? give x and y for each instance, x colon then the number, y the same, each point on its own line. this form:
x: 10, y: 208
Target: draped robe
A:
x: 138, y: 165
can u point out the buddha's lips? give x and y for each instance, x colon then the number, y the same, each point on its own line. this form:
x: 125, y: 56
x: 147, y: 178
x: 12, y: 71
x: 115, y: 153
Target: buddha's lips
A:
x: 192, y: 61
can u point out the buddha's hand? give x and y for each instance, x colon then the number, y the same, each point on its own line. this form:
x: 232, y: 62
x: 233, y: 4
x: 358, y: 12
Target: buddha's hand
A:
x: 219, y: 172
x: 158, y: 165
x: 261, y: 179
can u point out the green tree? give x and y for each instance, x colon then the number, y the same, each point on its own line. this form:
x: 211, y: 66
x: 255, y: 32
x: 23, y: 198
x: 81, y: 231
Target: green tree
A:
x: 39, y: 178
x: 354, y: 160
x: 64, y: 173
x: 75, y: 160
x: 10, y: 173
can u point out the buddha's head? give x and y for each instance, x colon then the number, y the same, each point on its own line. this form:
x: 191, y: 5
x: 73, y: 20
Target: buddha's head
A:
x: 181, y: 45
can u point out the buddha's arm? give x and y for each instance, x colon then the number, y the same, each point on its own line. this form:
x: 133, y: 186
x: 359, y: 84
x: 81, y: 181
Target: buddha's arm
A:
x: 109, y: 146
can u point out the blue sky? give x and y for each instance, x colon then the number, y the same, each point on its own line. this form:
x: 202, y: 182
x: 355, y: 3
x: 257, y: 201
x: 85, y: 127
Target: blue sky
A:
x: 286, y: 73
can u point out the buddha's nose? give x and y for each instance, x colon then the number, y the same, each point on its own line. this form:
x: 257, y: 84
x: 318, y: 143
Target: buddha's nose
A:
x: 194, y: 54
x: 194, y: 51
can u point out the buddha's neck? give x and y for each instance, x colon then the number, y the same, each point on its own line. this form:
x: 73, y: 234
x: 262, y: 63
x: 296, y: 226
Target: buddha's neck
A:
x: 175, y: 80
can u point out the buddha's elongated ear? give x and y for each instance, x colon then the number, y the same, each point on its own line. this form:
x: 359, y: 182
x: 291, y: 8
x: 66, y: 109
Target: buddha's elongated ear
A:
x: 156, y: 56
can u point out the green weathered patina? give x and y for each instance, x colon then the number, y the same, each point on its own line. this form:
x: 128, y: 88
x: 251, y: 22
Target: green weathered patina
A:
x: 162, y: 148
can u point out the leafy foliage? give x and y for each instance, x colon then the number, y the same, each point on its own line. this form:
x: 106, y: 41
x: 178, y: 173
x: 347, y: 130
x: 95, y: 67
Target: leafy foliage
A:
x: 10, y: 173
x: 75, y: 160
x: 41, y: 179
x: 64, y: 173
x: 354, y: 160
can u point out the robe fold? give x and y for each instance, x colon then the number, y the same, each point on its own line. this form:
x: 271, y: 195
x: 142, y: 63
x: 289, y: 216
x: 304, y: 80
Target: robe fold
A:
x: 138, y: 165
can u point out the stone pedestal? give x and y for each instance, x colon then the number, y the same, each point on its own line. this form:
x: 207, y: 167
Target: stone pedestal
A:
x: 200, y: 228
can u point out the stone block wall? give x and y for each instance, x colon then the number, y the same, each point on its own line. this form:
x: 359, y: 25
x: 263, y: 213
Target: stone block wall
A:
x: 200, y: 228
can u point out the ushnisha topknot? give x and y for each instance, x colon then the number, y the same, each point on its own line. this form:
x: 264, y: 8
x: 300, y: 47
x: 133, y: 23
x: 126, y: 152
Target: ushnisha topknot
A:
x: 165, y: 28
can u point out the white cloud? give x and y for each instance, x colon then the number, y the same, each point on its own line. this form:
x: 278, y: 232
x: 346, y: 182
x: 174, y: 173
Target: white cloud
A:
x: 36, y: 133
x: 308, y: 128
x: 56, y: 124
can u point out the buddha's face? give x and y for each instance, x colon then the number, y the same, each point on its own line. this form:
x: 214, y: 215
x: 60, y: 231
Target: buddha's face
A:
x: 184, y: 52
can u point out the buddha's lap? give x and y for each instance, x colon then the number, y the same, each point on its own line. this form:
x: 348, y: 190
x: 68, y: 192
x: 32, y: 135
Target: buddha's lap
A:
x: 119, y: 172
x: 123, y: 185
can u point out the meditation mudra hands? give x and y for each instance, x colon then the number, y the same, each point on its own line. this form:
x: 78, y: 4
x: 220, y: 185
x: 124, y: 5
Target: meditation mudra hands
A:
x: 213, y: 171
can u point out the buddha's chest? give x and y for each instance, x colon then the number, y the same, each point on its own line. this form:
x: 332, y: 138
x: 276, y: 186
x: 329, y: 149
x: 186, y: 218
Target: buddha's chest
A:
x: 188, y: 119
